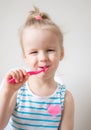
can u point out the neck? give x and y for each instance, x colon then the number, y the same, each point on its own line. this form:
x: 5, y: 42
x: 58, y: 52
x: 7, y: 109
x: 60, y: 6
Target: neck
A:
x: 38, y: 82
x: 42, y: 87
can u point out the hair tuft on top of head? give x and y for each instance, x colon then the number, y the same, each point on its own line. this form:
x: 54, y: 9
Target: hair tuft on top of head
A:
x: 31, y: 18
x: 35, y: 11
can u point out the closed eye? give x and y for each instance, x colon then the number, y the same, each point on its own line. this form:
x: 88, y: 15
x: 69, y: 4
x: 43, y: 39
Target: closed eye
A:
x: 33, y: 52
x: 50, y: 50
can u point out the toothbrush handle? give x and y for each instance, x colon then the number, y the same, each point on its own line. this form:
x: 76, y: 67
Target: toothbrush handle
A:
x: 12, y: 80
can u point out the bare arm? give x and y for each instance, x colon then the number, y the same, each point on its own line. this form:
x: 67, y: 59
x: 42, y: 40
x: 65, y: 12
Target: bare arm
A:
x: 7, y: 103
x: 8, y: 95
x: 68, y: 113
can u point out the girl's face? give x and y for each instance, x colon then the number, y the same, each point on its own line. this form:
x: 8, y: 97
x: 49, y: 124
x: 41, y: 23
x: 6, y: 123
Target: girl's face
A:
x: 41, y: 50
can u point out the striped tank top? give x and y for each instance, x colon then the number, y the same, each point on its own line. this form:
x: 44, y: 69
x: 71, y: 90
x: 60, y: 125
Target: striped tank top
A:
x: 32, y: 112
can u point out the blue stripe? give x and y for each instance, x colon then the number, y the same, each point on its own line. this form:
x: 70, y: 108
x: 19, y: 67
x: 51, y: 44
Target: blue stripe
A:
x: 36, y: 119
x: 43, y: 126
x: 32, y: 96
x: 25, y: 95
x: 56, y: 98
x: 39, y: 102
x: 36, y: 108
x: 17, y: 127
x: 23, y: 89
x: 23, y: 112
x: 20, y: 94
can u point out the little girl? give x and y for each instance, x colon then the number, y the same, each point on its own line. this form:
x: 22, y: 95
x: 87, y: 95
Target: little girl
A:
x: 37, y: 102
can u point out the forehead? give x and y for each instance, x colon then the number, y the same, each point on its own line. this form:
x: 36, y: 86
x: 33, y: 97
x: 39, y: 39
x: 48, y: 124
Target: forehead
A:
x: 39, y: 36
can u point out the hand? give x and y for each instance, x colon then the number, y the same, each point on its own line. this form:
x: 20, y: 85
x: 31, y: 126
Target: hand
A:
x: 20, y: 77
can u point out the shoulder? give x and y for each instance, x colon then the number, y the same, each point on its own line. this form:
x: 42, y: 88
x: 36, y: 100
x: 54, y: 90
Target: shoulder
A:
x: 68, y: 112
x: 69, y: 106
x: 69, y: 97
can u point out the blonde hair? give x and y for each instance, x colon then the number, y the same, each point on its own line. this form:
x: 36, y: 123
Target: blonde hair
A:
x: 44, y: 23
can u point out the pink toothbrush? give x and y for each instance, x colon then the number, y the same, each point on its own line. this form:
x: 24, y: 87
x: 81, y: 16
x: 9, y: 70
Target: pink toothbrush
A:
x: 12, y: 80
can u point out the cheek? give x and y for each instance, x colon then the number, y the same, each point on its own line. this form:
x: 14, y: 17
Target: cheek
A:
x: 32, y: 61
x: 55, y: 58
x: 55, y: 61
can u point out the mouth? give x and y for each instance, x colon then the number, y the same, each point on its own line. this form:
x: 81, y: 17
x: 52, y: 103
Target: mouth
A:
x: 44, y: 67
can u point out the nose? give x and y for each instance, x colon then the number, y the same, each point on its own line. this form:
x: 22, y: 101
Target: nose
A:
x: 43, y: 56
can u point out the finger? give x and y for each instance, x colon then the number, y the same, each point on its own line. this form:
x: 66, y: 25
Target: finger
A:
x: 21, y: 75
x: 24, y: 72
x: 15, y: 75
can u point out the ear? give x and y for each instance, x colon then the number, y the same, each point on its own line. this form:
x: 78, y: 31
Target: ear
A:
x: 62, y: 54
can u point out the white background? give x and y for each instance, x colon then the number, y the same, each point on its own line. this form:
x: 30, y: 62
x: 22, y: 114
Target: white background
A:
x: 74, y: 18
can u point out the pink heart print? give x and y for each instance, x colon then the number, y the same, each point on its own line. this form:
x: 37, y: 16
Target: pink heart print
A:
x: 54, y: 110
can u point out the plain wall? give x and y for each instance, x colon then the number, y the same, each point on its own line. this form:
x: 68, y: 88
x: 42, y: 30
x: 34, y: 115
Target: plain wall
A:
x: 74, y: 18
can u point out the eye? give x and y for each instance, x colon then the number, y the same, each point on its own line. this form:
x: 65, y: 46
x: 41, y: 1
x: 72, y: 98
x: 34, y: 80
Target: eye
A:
x: 50, y: 50
x: 33, y: 52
